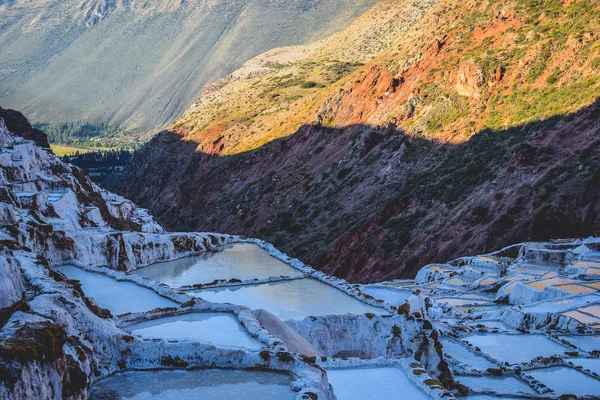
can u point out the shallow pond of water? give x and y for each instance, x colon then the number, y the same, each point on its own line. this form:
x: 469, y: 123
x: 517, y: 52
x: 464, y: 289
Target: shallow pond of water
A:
x: 459, y: 352
x: 542, y: 284
x: 241, y: 261
x: 205, y: 384
x: 585, y: 343
x: 562, y: 305
x: 577, y: 289
x: 382, y: 383
x: 389, y: 295
x: 582, y: 317
x: 220, y: 329
x: 515, y: 349
x: 592, y: 364
x: 567, y: 381
x: 295, y: 299
x: 500, y: 385
x: 117, y: 296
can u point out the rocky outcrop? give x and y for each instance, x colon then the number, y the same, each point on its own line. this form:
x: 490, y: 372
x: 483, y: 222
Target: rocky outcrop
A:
x: 470, y: 79
x: 294, y: 341
x: 11, y: 283
x: 19, y: 125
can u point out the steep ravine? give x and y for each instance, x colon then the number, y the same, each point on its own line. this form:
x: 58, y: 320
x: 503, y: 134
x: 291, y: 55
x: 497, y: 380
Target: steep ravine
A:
x: 458, y: 139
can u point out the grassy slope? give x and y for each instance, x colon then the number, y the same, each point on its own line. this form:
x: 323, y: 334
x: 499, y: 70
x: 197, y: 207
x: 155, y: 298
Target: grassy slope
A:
x: 514, y: 59
x: 271, y: 97
x: 60, y: 150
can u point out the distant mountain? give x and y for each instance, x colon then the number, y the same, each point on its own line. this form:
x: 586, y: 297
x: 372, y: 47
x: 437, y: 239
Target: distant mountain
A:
x: 475, y: 126
x: 138, y: 64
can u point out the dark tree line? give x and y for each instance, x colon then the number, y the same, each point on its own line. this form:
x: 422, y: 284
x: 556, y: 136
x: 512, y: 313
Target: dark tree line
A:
x: 100, y: 159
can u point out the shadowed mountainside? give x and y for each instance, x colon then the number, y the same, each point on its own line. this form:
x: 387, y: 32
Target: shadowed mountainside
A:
x: 369, y: 203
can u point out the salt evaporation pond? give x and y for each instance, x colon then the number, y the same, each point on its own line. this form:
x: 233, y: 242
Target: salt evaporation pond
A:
x: 504, y: 385
x: 591, y: 364
x: 585, y: 343
x: 241, y: 261
x: 117, y: 296
x: 382, y: 383
x: 296, y: 299
x: 515, y: 349
x: 220, y: 329
x: 567, y: 381
x: 562, y: 305
x: 209, y: 384
x: 389, y: 295
x: 458, y: 352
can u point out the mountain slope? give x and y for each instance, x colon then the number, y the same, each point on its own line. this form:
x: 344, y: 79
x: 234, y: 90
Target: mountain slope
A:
x: 138, y: 64
x: 475, y: 129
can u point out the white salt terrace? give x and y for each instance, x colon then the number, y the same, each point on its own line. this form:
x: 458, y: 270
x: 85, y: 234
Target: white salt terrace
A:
x: 287, y: 300
x: 118, y: 297
x: 381, y: 383
x: 556, y: 286
x: 563, y: 305
x: 517, y: 348
x: 301, y: 297
x: 243, y: 261
x: 219, y: 329
x: 205, y: 384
